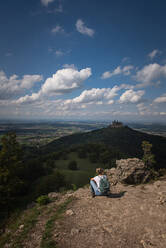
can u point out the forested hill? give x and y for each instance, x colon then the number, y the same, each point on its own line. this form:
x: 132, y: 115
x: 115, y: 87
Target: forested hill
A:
x: 124, y: 139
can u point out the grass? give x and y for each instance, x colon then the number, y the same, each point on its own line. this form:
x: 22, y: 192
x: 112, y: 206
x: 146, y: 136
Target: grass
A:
x: 80, y: 177
x: 83, y: 164
x: 47, y: 240
x: 17, y: 237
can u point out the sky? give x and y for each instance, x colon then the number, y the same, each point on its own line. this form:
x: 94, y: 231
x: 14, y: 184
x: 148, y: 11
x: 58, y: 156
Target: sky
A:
x: 83, y: 60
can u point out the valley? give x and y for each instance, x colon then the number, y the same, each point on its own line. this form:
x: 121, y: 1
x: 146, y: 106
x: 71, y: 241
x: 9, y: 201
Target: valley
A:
x: 41, y: 133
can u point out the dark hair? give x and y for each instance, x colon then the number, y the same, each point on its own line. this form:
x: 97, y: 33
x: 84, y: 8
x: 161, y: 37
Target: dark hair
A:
x: 100, y: 171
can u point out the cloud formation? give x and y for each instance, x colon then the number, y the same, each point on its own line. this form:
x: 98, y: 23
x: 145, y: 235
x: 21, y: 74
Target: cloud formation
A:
x: 46, y: 2
x: 59, y: 53
x: 88, y: 99
x: 57, y: 29
x: 160, y: 99
x: 81, y: 28
x: 63, y: 81
x: 96, y: 95
x: 131, y: 96
x: 126, y: 70
x: 154, y: 53
x: 13, y: 85
x: 150, y: 74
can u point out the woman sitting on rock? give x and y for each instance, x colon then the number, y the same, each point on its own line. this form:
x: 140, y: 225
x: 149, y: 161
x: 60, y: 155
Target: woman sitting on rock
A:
x: 99, y: 184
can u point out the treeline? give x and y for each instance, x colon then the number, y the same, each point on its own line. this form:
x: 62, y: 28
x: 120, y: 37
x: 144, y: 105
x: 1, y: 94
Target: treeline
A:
x: 100, y: 152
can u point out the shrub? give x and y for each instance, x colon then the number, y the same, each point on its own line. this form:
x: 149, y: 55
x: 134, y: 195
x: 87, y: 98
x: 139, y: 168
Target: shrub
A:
x: 50, y: 183
x: 148, y: 157
x: 82, y: 153
x: 43, y: 200
x: 72, y: 165
x: 93, y: 157
x: 74, y: 187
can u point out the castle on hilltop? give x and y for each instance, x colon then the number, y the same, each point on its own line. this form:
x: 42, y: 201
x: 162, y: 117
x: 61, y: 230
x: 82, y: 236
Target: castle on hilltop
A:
x: 116, y: 124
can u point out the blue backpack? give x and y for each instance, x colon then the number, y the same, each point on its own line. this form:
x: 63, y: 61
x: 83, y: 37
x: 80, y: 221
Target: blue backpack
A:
x: 104, y: 185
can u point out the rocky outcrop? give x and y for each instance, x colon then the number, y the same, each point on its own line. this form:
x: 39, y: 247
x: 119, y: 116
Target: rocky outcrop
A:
x: 129, y: 171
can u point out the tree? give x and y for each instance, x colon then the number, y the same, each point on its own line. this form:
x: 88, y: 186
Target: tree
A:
x: 10, y: 169
x: 148, y: 157
x: 72, y: 165
x: 50, y: 183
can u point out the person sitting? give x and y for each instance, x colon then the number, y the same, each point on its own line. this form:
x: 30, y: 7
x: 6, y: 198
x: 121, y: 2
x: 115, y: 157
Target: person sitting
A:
x: 99, y: 184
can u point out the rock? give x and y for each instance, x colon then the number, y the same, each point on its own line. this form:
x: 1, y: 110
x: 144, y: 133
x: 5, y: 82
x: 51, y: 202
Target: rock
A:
x: 163, y: 236
x: 69, y: 212
x: 53, y: 195
x: 129, y: 171
x: 74, y: 231
x: 56, y: 235
x: 162, y: 199
x: 21, y: 227
x: 31, y: 205
x: 157, y: 184
x: 69, y: 194
x: 146, y: 244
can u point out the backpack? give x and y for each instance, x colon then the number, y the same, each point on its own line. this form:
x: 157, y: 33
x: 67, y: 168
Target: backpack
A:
x: 104, y: 185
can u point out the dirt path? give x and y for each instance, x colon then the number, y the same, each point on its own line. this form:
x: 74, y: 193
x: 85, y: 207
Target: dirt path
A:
x: 132, y: 217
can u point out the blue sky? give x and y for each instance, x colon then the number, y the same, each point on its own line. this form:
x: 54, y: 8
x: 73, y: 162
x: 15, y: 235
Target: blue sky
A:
x: 83, y: 60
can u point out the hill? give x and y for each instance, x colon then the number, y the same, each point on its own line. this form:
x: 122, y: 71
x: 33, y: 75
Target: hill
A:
x: 123, y: 139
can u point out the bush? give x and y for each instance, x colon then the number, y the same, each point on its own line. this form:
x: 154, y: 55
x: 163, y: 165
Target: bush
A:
x: 72, y: 165
x: 74, y: 187
x: 50, y: 183
x: 82, y: 153
x: 93, y: 157
x: 43, y: 200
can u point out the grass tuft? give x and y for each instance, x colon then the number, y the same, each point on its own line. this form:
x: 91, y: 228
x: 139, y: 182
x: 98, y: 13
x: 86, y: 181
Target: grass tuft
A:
x: 47, y: 240
x: 16, y: 236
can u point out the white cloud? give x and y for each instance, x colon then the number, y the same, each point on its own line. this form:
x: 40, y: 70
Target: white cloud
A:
x: 46, y: 2
x: 131, y: 96
x: 13, y: 85
x: 150, y: 75
x: 27, y: 99
x: 92, y: 97
x: 160, y: 99
x: 59, y: 53
x: 63, y: 81
x: 87, y: 100
x: 96, y: 95
x: 154, y: 53
x: 28, y: 81
x: 162, y: 113
x: 141, y: 106
x: 106, y: 74
x: 126, y: 70
x: 125, y: 59
x: 80, y: 26
x: 57, y: 29
x: 143, y: 109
